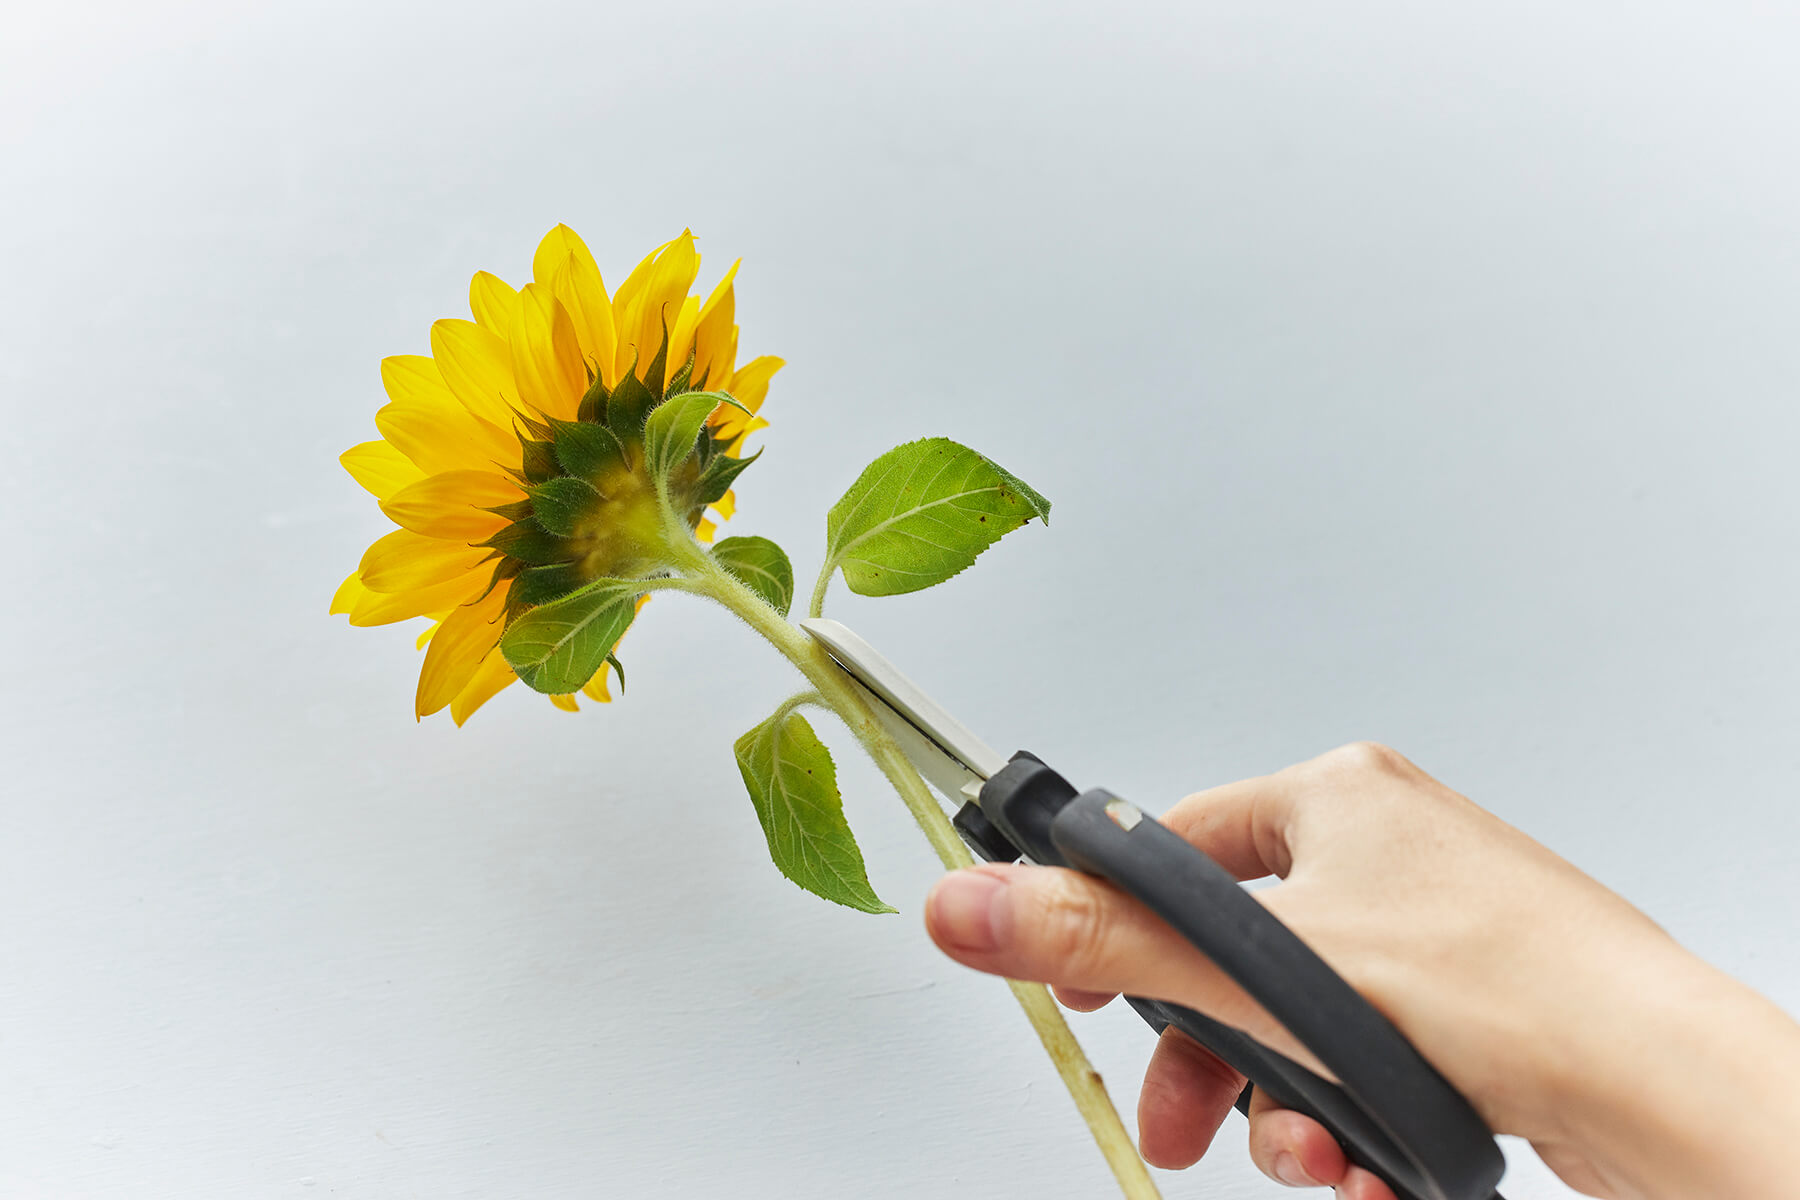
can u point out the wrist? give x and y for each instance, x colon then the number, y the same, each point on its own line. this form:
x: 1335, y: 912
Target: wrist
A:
x: 1685, y: 1086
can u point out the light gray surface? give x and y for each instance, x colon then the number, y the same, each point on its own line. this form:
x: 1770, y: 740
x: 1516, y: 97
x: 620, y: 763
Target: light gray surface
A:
x: 1424, y: 373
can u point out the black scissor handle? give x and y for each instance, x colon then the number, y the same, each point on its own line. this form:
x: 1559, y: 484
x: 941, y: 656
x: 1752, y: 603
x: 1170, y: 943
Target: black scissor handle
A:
x: 1393, y: 1113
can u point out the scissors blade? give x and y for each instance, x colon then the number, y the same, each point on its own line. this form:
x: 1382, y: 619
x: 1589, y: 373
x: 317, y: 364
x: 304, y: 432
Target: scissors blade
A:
x: 945, y: 750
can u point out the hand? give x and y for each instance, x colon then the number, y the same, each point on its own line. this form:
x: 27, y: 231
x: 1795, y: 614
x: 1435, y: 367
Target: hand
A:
x: 1562, y: 1013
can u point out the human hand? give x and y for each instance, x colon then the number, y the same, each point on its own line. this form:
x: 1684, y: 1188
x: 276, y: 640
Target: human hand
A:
x: 1561, y: 1012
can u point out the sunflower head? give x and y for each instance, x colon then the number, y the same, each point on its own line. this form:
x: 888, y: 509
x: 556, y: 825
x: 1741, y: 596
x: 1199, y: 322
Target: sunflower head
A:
x: 513, y: 459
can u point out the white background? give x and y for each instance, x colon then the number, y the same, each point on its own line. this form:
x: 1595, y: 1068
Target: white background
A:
x: 1414, y: 372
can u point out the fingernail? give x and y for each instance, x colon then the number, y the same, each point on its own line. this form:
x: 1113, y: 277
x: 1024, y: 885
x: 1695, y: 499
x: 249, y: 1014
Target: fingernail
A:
x: 962, y: 910
x: 1290, y: 1172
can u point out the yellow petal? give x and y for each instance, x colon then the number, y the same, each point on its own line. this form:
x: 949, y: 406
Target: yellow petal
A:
x: 627, y: 303
x: 595, y: 688
x: 383, y: 608
x: 546, y: 356
x: 348, y: 593
x: 566, y: 703
x: 438, y: 439
x: 712, y: 332
x: 442, y: 433
x: 494, y: 303
x: 403, y: 560
x: 718, y: 375
x: 651, y: 295
x: 750, y: 383
x: 380, y: 468
x: 449, y: 505
x: 477, y: 366
x: 578, y: 285
x: 437, y: 623
x: 489, y: 679
x: 704, y: 529
x: 726, y: 505
x: 556, y: 246
x: 737, y: 432
x: 668, y: 286
x: 681, y: 335
x: 457, y: 650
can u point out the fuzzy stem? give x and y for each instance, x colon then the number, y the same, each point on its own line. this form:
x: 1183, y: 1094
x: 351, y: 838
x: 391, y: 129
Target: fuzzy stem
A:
x: 835, y: 691
x: 817, y: 607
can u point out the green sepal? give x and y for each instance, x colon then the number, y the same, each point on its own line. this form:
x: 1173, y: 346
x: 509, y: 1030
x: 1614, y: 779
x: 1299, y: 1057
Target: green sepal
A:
x: 537, y: 462
x: 631, y: 402
x: 505, y: 569
x: 673, y: 431
x: 557, y: 647
x: 560, y: 504
x: 529, y: 542
x: 793, y: 784
x: 717, y: 476
x: 584, y: 449
x: 653, y: 374
x: 921, y: 513
x: 516, y: 510
x: 678, y: 382
x: 612, y: 660
x: 593, y: 401
x: 541, y: 585
x: 530, y: 425
x: 761, y: 566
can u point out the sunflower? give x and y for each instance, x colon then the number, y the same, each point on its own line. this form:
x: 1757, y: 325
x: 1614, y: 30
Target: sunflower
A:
x: 512, y: 458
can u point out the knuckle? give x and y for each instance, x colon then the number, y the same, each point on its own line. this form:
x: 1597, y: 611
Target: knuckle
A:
x: 1369, y: 759
x: 1072, y: 925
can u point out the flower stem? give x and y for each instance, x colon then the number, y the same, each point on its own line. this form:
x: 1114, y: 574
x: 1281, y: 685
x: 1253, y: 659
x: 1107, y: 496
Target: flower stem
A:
x: 834, y: 690
x: 817, y: 607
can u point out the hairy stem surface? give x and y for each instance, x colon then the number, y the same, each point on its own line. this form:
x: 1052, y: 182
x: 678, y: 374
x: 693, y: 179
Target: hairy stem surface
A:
x: 833, y: 689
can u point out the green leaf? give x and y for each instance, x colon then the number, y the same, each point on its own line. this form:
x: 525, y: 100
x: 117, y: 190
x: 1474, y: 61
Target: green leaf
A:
x: 557, y: 647
x: 762, y: 567
x: 584, y: 449
x: 559, y: 504
x: 541, y: 585
x: 673, y: 429
x: 793, y: 784
x: 921, y: 513
x: 717, y: 476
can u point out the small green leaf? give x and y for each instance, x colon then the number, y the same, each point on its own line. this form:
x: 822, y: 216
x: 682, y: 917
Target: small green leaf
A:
x: 537, y: 461
x: 529, y: 542
x: 793, y: 785
x: 592, y: 409
x: 673, y: 429
x: 653, y: 374
x: 557, y: 647
x: 626, y: 409
x: 684, y: 377
x: 584, y: 449
x: 559, y: 504
x: 921, y: 513
x: 762, y: 566
x: 717, y: 476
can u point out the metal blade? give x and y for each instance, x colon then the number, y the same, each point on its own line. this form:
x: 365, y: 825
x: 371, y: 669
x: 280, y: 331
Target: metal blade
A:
x: 944, y: 749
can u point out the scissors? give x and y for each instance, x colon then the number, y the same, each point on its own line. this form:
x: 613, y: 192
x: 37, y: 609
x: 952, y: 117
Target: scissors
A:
x: 1389, y: 1109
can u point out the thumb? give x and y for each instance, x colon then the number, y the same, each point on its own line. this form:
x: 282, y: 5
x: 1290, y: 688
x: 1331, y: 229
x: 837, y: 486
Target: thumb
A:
x: 1061, y: 927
